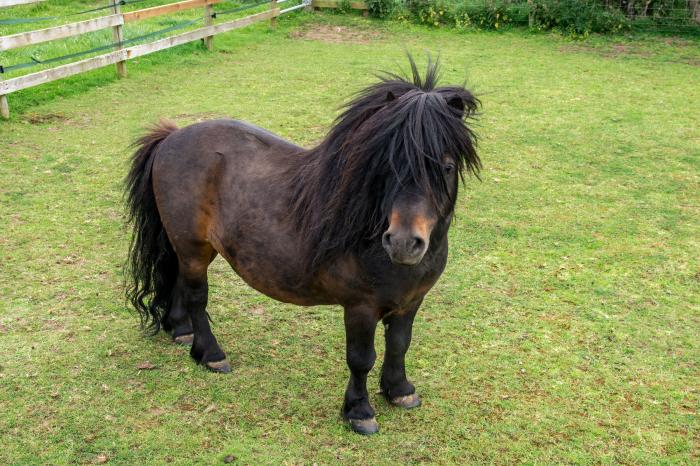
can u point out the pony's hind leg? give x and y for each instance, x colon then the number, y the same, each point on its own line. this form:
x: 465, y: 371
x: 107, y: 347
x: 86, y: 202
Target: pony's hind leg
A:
x: 192, y: 289
x: 177, y: 321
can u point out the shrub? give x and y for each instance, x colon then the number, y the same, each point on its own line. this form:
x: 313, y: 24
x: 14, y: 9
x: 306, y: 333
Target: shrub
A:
x: 490, y: 15
x: 576, y: 17
x: 429, y: 12
x: 381, y: 8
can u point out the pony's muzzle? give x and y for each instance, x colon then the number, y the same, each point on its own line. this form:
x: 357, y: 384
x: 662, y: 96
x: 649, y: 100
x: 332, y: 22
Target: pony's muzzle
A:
x: 405, y: 248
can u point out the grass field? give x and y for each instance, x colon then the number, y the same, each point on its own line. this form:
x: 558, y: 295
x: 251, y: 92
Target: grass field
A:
x: 564, y: 330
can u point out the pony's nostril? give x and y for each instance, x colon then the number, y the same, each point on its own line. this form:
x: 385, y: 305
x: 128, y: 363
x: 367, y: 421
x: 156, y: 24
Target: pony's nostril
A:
x: 418, y: 243
x: 386, y: 240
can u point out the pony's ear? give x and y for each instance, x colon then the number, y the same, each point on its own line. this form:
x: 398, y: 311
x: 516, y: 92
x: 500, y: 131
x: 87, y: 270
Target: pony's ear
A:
x: 390, y: 96
x: 463, y: 102
x: 457, y: 103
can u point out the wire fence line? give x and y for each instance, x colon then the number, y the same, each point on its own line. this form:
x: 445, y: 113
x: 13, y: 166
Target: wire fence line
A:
x: 669, y: 12
x: 664, y: 14
x: 689, y: 9
x: 38, y: 19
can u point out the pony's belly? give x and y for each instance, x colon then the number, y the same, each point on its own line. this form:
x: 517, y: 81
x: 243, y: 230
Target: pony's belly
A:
x: 276, y: 279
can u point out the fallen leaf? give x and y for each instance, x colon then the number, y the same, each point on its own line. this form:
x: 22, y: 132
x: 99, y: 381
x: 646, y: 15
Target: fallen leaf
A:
x: 210, y: 408
x: 146, y: 366
x: 257, y: 310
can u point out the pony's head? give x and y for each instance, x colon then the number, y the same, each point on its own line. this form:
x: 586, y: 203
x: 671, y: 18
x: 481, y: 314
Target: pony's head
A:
x: 389, y: 169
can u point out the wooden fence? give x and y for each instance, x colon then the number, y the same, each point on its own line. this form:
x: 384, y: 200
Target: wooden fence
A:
x: 122, y: 52
x: 354, y: 4
x: 5, y: 3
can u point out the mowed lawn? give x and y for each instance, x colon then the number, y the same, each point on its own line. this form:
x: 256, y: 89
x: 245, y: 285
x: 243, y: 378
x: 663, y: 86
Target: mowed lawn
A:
x: 565, y: 328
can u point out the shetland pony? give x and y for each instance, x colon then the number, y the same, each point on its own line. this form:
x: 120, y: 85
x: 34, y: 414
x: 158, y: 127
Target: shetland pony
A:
x: 360, y: 221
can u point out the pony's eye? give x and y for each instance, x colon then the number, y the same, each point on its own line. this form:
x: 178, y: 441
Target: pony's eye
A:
x: 449, y: 168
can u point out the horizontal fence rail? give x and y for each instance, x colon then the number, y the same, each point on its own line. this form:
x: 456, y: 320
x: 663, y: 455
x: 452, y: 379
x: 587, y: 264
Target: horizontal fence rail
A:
x: 122, y: 50
x: 165, y: 9
x: 355, y: 5
x: 6, y: 3
x: 23, y: 39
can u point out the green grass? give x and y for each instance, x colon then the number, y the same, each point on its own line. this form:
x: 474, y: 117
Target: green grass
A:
x: 564, y: 330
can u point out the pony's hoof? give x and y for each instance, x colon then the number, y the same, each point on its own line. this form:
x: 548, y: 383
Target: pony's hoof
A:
x: 364, y: 426
x: 185, y: 340
x: 222, y: 366
x: 407, y: 401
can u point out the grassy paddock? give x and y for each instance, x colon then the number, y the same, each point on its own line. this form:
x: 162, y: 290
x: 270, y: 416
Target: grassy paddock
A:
x: 565, y: 328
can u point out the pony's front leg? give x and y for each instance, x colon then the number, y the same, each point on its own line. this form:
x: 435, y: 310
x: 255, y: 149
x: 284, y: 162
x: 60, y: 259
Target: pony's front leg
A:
x: 397, y: 334
x: 360, y: 325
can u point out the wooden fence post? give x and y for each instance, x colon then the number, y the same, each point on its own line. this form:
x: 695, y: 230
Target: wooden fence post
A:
x: 4, y: 107
x: 273, y: 20
x: 208, y: 21
x: 118, y: 37
x: 530, y: 15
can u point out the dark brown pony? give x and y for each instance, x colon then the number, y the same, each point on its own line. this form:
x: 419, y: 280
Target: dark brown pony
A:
x: 360, y: 220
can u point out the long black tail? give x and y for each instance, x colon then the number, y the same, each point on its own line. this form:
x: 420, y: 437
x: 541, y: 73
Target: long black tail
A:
x: 151, y: 269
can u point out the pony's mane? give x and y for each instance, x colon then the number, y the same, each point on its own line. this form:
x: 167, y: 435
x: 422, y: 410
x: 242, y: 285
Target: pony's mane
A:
x: 392, y: 134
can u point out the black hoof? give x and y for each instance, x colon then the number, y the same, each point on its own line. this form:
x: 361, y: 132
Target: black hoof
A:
x: 185, y: 340
x: 222, y: 366
x: 364, y: 426
x: 407, y: 401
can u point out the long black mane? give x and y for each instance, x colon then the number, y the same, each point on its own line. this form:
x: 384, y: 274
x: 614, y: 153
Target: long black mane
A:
x: 392, y: 134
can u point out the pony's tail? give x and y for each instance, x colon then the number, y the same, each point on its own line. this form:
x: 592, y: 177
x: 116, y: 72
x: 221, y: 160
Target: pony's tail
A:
x: 151, y: 269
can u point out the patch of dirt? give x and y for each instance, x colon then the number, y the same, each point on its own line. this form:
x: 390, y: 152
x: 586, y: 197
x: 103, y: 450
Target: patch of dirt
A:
x: 24, y: 144
x: 146, y: 366
x: 618, y: 48
x: 71, y: 259
x: 677, y: 41
x: 41, y: 118
x: 257, y: 311
x: 337, y: 34
x: 53, y: 324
